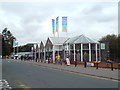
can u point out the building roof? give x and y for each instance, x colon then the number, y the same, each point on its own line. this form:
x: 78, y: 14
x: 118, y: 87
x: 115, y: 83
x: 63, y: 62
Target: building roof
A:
x: 42, y: 44
x: 80, y: 39
x: 58, y: 40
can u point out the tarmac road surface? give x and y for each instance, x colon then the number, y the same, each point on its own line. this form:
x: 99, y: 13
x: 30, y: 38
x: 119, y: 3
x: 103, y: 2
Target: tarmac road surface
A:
x: 20, y: 74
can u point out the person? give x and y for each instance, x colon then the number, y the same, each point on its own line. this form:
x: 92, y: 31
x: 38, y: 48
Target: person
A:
x: 21, y: 57
x: 48, y: 60
x: 68, y: 61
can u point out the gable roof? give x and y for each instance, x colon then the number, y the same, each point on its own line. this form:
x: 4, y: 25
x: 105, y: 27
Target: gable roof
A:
x: 80, y: 39
x: 58, y: 40
x: 42, y: 44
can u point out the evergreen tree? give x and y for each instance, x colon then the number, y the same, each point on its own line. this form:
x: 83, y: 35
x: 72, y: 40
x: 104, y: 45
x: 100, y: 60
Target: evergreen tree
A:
x: 112, y: 42
x: 7, y: 42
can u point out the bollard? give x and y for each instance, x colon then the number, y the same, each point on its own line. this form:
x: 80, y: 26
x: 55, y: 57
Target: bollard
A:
x: 85, y: 64
x: 96, y: 65
x: 111, y: 66
x: 75, y: 63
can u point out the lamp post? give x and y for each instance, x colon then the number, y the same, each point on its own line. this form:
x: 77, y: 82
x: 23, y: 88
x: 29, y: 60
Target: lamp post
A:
x: 96, y: 64
x: 85, y: 63
x: 34, y: 51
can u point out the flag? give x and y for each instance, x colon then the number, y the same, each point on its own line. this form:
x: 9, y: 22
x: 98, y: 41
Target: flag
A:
x: 57, y: 24
x: 53, y: 26
x: 15, y: 43
x: 64, y: 24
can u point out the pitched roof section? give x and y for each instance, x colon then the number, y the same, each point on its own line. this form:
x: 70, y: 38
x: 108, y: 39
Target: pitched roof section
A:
x: 58, y: 40
x: 42, y: 44
x: 80, y: 39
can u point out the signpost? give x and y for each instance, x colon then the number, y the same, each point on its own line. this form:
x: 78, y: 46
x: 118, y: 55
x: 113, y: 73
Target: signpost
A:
x: 102, y: 45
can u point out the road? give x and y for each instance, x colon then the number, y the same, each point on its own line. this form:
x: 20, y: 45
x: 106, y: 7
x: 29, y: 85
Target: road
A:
x: 20, y: 74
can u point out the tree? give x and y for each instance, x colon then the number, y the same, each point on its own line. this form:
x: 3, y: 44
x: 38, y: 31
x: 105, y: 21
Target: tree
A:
x: 112, y: 42
x: 118, y: 46
x: 7, y: 42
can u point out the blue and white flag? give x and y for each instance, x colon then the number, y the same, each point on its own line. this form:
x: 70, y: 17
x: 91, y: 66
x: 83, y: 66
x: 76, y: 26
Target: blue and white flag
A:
x: 53, y: 26
x: 15, y: 43
x: 64, y: 24
x: 57, y: 21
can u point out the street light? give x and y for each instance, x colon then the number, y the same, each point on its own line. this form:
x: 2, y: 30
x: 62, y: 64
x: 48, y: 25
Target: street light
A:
x: 32, y: 52
x: 35, y: 51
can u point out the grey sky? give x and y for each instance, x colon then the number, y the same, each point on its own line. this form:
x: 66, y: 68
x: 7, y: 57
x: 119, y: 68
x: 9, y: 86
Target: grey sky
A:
x: 31, y: 21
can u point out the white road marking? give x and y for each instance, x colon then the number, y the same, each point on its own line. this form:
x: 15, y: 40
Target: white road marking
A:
x: 4, y: 85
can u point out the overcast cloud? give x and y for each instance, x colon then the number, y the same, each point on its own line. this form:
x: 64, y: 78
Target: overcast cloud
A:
x: 31, y: 22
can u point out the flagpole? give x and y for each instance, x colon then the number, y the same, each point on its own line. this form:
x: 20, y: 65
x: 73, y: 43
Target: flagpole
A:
x: 64, y: 27
x: 17, y: 47
x: 58, y: 38
x: 58, y: 44
x: 14, y: 52
x: 53, y: 27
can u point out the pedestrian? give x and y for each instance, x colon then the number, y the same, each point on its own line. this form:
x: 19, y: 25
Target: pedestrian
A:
x: 68, y: 61
x: 48, y: 60
x: 21, y: 57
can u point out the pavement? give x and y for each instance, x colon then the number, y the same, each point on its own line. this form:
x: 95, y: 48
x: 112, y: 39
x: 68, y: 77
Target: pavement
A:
x: 88, y: 71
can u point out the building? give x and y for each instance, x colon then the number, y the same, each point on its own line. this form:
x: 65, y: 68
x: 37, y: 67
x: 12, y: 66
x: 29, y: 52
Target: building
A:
x: 42, y: 50
x: 54, y: 47
x: 79, y: 48
x: 82, y: 48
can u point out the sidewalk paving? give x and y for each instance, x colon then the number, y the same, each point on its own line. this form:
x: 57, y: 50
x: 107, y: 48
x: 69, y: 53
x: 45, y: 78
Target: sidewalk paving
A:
x: 103, y: 73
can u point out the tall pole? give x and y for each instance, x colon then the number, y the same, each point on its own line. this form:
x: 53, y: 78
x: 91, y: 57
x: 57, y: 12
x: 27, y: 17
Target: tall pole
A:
x: 74, y: 56
x: 53, y: 54
x: 17, y: 51
x: 81, y: 52
x: 54, y: 33
x: 74, y: 52
x: 14, y: 52
x: 99, y: 52
x: 44, y: 54
x: 39, y: 53
x: 96, y: 53
x: 35, y: 52
x: 89, y: 52
x: 13, y: 48
x: 58, y: 39
x: 31, y: 53
x: 64, y: 51
x: 69, y: 49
